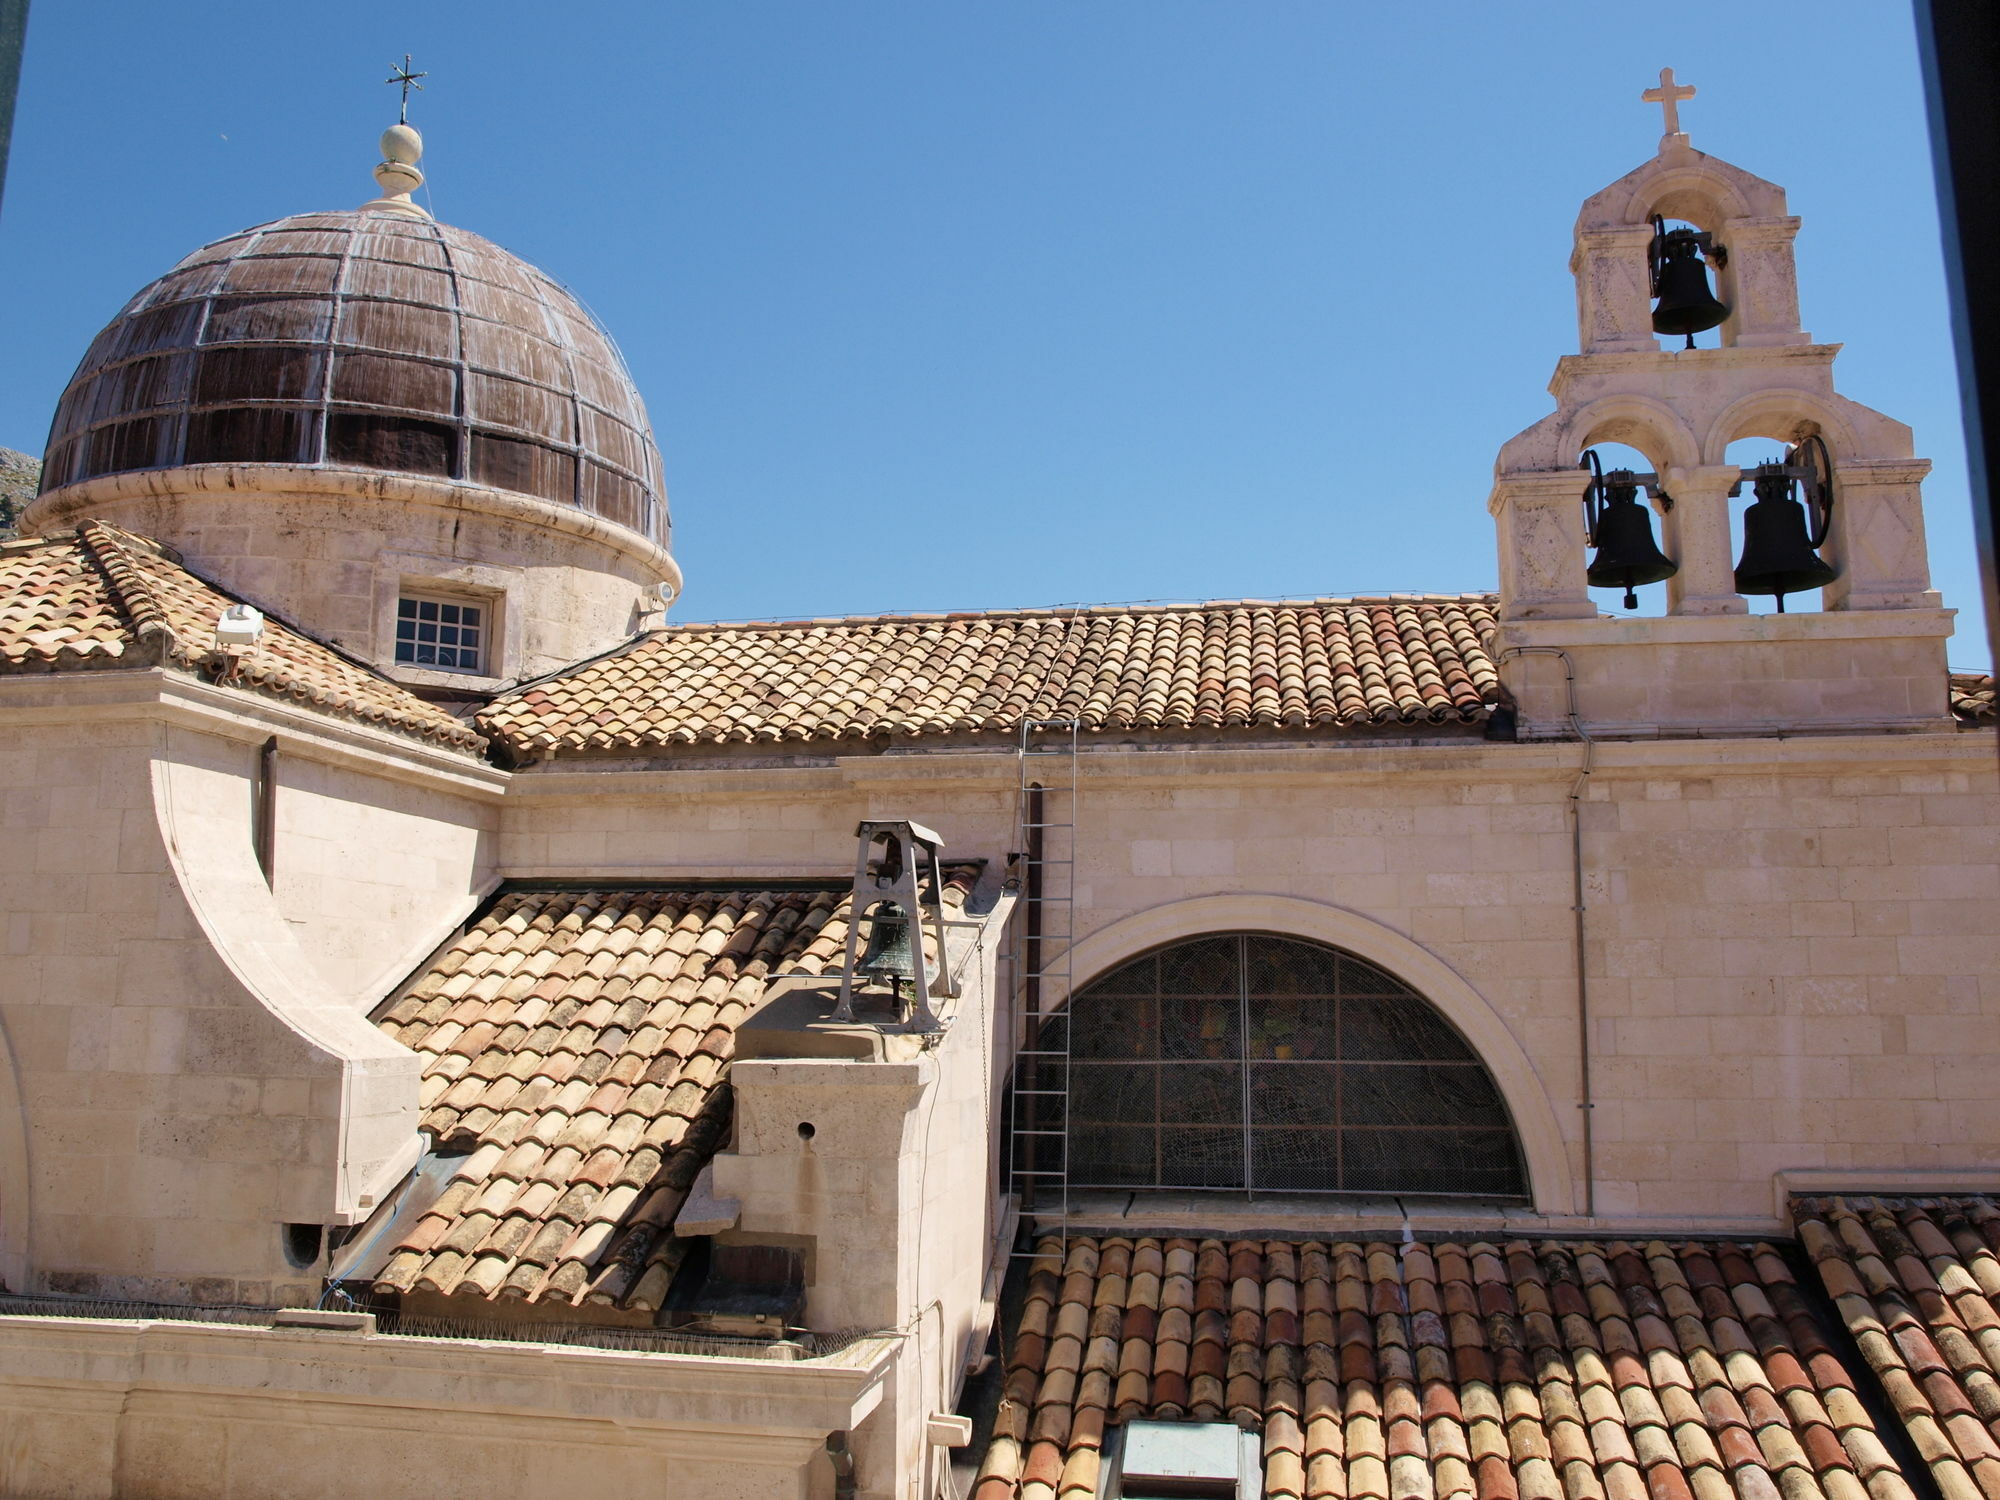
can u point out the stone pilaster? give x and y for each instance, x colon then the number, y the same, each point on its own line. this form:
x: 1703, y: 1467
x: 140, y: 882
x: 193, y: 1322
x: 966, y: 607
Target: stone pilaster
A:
x: 1540, y: 519
x: 1876, y: 537
x: 1614, y: 305
x: 1697, y: 537
x: 1760, y: 283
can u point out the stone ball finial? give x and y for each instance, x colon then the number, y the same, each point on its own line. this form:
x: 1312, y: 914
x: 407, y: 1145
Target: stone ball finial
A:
x: 402, y: 145
x: 397, y: 173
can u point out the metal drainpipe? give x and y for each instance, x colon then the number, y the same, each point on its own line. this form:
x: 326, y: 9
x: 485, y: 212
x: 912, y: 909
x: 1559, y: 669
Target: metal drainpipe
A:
x: 842, y: 1458
x: 264, y: 822
x: 1586, y: 1103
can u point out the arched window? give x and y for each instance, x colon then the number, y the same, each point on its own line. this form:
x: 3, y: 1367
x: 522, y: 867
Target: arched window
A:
x: 1247, y: 1061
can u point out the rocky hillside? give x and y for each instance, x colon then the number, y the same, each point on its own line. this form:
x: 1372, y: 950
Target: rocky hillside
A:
x: 19, y: 477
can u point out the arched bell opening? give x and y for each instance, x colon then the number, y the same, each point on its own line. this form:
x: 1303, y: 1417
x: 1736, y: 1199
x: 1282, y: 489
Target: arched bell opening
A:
x: 1624, y: 515
x: 1687, y: 267
x: 1778, y: 521
x: 1251, y: 1062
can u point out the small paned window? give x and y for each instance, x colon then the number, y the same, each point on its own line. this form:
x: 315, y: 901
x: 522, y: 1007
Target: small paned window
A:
x: 448, y: 634
x: 1245, y: 1061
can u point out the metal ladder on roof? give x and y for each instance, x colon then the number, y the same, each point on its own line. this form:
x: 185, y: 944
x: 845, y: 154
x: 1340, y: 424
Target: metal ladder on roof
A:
x: 1038, y: 1145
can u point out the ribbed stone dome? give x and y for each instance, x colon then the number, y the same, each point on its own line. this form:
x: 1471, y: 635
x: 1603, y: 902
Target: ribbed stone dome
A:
x: 365, y: 340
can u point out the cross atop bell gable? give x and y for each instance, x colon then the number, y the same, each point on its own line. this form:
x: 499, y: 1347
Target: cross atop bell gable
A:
x: 1669, y: 96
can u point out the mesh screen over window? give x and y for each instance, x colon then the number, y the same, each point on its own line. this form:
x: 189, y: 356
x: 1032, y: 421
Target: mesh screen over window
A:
x: 1246, y: 1061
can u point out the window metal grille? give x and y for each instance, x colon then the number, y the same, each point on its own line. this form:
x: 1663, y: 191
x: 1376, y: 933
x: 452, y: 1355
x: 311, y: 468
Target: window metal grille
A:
x: 440, y: 633
x: 1245, y: 1061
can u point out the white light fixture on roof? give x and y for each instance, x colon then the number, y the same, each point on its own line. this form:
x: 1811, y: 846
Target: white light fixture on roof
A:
x: 240, y: 627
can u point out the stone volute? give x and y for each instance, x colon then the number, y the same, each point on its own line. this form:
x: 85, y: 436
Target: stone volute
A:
x: 1872, y: 655
x: 336, y: 412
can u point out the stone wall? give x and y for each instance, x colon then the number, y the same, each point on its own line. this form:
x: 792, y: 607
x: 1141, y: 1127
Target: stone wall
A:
x: 1791, y: 943
x: 372, y: 872
x: 184, y: 1079
x: 158, y: 1411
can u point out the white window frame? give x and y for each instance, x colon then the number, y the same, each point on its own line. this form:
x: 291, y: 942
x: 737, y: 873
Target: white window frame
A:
x: 441, y: 601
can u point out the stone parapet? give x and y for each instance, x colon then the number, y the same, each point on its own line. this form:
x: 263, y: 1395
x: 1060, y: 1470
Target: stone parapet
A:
x: 1822, y: 673
x: 98, y: 1408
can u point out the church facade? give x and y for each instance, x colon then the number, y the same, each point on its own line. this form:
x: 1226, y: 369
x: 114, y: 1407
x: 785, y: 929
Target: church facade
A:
x: 465, y: 1033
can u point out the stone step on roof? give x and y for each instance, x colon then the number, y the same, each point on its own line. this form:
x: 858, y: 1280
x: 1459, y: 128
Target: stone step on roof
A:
x: 102, y: 597
x: 1555, y: 1370
x: 1323, y: 665
x: 1917, y: 1281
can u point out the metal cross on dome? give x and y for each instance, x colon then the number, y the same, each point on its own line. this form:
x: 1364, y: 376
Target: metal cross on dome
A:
x: 408, y: 80
x: 1668, y: 96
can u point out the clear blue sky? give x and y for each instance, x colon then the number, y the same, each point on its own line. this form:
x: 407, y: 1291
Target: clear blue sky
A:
x: 955, y: 306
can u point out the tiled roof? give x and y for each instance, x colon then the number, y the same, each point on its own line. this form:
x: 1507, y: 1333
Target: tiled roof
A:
x: 1321, y: 664
x: 1407, y: 1371
x: 1917, y: 1281
x: 1972, y: 697
x: 102, y: 597
x: 579, y: 1043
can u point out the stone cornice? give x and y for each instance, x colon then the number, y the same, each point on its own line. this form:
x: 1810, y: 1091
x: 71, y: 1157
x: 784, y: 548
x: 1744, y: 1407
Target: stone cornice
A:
x: 153, y: 693
x: 1447, y: 763
x: 64, y: 507
x: 662, y: 1393
x: 1774, y: 357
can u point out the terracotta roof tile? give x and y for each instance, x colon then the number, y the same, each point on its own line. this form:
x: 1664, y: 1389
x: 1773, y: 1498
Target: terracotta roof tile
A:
x: 1973, y: 700
x: 575, y: 1169
x: 1327, y: 664
x: 102, y: 597
x: 1917, y: 1281
x: 1549, y: 1371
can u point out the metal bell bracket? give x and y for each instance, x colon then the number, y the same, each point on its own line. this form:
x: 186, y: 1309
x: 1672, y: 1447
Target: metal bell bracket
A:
x: 1593, y: 495
x: 906, y: 848
x: 1656, y: 252
x: 1809, y: 462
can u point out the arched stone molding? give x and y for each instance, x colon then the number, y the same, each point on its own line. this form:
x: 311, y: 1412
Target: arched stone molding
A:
x: 1682, y: 183
x: 17, y: 1202
x: 1641, y: 422
x: 1550, y: 1179
x: 1784, y: 415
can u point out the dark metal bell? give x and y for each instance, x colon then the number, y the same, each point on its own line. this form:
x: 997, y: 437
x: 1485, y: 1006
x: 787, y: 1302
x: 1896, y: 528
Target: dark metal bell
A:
x: 1778, y: 556
x: 1685, y: 304
x: 1626, y: 553
x: 888, y: 956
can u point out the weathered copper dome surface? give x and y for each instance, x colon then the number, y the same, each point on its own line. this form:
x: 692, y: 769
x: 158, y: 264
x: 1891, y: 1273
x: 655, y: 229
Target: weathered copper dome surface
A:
x: 365, y: 340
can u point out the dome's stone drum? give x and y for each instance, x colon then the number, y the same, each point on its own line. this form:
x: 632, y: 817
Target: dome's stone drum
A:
x: 372, y: 341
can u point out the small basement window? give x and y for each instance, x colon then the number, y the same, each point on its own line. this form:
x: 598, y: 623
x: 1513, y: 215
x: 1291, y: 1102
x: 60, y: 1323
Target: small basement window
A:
x: 1167, y: 1460
x: 449, y: 634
